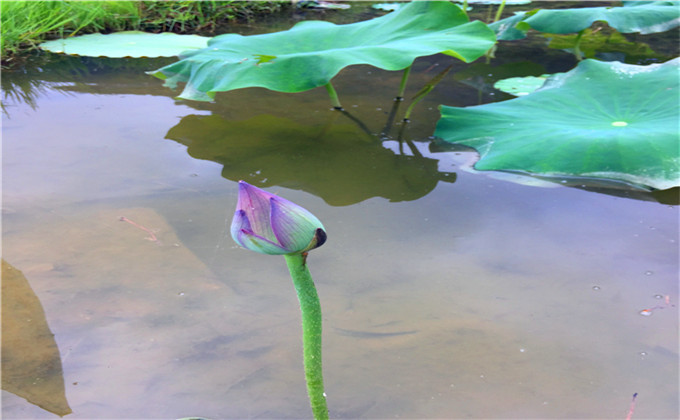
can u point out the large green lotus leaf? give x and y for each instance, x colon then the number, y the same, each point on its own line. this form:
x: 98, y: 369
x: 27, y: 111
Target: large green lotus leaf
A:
x: 507, y: 30
x: 311, y: 53
x: 645, y: 18
x: 600, y: 120
x: 133, y: 44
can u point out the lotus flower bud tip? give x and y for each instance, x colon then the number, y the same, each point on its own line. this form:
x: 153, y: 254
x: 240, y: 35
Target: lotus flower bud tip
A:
x: 266, y: 223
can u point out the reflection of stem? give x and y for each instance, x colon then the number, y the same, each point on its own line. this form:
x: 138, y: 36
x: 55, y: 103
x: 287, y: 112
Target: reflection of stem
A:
x: 409, y: 143
x: 311, y: 332
x: 336, y: 113
x: 390, y: 119
x: 334, y: 96
x: 413, y: 148
x: 357, y: 121
x: 329, y: 124
x: 404, y: 79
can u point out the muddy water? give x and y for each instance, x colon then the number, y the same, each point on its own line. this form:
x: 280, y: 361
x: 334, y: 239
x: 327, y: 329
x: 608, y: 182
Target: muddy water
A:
x: 446, y: 293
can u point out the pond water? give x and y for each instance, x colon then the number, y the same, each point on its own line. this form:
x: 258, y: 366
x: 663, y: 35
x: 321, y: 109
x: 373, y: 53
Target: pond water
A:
x: 446, y: 293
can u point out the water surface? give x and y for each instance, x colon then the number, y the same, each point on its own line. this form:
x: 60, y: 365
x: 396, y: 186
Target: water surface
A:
x: 446, y: 293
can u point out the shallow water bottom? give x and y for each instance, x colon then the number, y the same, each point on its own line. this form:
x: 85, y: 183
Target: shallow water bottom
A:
x: 455, y: 314
x: 479, y: 299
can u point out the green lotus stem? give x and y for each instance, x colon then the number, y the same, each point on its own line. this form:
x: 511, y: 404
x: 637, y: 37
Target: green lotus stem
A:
x: 311, y: 332
x: 425, y: 90
x: 407, y: 114
x: 490, y: 54
x: 334, y: 96
x: 499, y: 12
x: 404, y: 79
x: 577, y: 45
x: 269, y: 224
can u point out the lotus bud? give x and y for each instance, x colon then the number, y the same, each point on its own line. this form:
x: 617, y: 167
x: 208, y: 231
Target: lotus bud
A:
x: 269, y: 224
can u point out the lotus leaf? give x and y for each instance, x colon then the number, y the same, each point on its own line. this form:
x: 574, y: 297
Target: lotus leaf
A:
x: 520, y: 86
x: 314, y: 4
x: 482, y: 76
x: 645, y: 19
x: 600, y: 120
x: 390, y: 7
x: 311, y: 53
x: 133, y: 44
x: 506, y: 2
x: 507, y: 30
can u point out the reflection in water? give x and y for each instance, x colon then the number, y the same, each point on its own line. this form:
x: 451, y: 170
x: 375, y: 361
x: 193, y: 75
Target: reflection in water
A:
x: 68, y: 75
x: 35, y: 375
x: 339, y: 163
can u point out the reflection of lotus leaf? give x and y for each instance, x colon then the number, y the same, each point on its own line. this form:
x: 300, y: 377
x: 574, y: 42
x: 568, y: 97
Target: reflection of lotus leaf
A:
x: 338, y: 163
x: 311, y: 53
x: 600, y: 120
x: 31, y: 363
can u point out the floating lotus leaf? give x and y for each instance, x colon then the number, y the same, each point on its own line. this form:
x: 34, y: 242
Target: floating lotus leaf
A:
x: 133, y: 44
x: 520, y: 86
x: 314, y: 4
x: 646, y: 18
x: 600, y: 120
x: 311, y: 53
x: 390, y: 7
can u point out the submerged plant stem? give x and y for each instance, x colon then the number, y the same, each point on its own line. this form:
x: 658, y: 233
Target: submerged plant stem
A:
x: 311, y: 332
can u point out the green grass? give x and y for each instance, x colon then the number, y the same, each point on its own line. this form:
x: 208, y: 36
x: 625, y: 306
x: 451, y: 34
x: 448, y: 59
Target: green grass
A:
x: 24, y: 24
